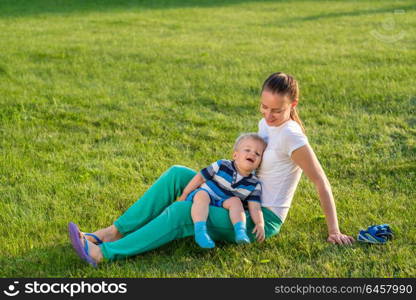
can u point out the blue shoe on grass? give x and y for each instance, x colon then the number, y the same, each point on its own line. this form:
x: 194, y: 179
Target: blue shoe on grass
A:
x: 375, y: 234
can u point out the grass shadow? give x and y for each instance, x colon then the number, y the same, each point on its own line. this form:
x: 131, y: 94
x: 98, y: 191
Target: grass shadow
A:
x: 355, y: 13
x: 21, y: 8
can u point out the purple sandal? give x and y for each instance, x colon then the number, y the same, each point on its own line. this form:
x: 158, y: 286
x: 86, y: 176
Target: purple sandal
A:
x: 82, y: 251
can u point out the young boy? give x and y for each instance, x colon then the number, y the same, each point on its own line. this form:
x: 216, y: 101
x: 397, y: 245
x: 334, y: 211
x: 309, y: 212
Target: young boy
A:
x: 232, y: 185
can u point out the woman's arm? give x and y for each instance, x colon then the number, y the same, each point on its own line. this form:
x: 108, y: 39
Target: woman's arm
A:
x: 192, y: 185
x: 306, y: 159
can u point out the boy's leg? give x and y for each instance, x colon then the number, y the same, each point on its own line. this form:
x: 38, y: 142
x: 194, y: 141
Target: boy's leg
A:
x: 238, y: 218
x: 160, y: 195
x: 176, y: 222
x: 236, y: 209
x: 199, y: 213
x: 200, y: 206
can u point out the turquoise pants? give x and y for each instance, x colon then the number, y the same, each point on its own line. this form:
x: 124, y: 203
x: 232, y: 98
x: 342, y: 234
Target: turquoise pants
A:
x: 156, y: 219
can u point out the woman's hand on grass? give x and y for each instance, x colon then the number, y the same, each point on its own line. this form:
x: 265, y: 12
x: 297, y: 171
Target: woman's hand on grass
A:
x: 340, y: 239
x: 259, y: 232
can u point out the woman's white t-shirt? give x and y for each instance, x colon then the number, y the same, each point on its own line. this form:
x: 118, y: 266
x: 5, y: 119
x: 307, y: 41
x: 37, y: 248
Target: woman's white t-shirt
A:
x: 278, y: 174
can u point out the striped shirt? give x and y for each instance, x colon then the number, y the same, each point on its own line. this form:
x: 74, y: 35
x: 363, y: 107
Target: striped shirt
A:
x: 222, y: 182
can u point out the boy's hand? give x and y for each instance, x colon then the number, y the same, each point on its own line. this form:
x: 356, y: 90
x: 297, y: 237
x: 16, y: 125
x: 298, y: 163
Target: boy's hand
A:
x: 259, y: 232
x: 182, y: 198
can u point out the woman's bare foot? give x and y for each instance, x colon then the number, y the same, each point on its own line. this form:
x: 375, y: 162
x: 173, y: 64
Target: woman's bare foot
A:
x: 108, y: 234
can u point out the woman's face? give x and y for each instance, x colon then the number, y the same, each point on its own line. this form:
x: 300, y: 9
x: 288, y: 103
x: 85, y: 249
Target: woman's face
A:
x: 275, y: 108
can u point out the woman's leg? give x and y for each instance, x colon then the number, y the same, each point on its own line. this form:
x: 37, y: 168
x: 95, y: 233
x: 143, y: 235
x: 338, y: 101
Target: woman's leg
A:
x: 220, y: 227
x: 160, y: 195
x: 175, y: 222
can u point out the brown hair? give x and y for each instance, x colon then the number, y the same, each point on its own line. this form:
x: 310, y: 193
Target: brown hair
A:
x: 284, y: 84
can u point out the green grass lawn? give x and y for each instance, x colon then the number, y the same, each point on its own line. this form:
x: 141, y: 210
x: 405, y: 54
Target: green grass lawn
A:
x: 98, y: 98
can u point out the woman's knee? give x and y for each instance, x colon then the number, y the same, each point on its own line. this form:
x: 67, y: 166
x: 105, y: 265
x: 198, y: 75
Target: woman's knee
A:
x: 178, y: 169
x: 174, y: 169
x: 269, y: 232
x: 179, y: 211
x: 181, y: 174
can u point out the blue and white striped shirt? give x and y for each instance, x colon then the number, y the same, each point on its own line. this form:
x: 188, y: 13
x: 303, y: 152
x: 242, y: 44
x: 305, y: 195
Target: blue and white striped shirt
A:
x: 221, y: 182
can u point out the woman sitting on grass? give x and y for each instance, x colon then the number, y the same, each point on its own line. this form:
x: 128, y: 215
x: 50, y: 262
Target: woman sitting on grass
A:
x: 156, y: 219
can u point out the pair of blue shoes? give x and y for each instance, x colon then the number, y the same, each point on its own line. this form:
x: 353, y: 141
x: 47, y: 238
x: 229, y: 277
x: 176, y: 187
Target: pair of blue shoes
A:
x: 376, y: 234
x: 204, y: 240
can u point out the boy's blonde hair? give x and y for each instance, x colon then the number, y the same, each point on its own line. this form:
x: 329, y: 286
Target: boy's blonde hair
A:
x: 250, y: 135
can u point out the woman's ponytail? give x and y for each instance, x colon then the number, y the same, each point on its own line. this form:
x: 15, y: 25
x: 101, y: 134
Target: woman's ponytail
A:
x: 295, y: 117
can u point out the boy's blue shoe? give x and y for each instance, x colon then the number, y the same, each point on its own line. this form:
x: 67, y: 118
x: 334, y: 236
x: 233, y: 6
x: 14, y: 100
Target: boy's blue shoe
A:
x: 201, y: 236
x: 376, y: 234
x: 241, y: 236
x: 383, y: 231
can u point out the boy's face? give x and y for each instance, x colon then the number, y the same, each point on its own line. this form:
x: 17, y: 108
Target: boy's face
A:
x: 248, y: 155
